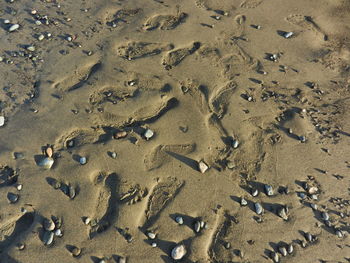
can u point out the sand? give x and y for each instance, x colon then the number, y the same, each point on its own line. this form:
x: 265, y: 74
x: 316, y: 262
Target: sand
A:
x: 113, y: 108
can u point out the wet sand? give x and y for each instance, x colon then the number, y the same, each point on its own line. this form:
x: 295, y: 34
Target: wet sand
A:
x: 133, y: 127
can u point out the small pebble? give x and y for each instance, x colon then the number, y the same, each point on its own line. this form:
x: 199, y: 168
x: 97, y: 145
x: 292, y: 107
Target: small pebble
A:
x: 314, y: 206
x: 13, y: 198
x: 87, y: 220
x: 203, y: 167
x: 151, y: 235
x: 258, y: 208
x: 31, y: 48
x: 154, y: 244
x: 19, y: 187
x: 243, y: 202
x: 339, y: 233
x: 6, y: 21
x: 82, y: 160
x: 255, y: 192
x: 20, y: 246
x: 325, y: 216
x: 75, y: 251
x: 290, y: 248
x: 120, y: 135
x: 235, y: 144
x: 283, y: 251
x: 288, y: 34
x: 197, y: 226
x: 268, y: 190
x: 48, y: 225
x: 58, y: 232
x: 48, y: 238
x: 41, y: 37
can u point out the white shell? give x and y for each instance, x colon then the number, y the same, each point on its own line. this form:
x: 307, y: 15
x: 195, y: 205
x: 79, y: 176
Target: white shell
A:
x: 178, y: 252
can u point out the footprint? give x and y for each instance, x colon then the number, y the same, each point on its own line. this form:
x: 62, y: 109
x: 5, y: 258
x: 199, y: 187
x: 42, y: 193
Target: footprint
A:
x: 8, y: 176
x: 112, y: 95
x: 106, y: 210
x: 162, y: 194
x: 122, y: 16
x: 220, y: 99
x: 11, y: 229
x: 158, y: 156
x: 79, y: 79
x: 251, y: 3
x: 131, y: 193
x: 142, y: 115
x: 306, y: 22
x: 173, y: 58
x: 79, y: 137
x: 219, y: 6
x: 135, y: 50
x: 198, y: 93
x: 164, y: 22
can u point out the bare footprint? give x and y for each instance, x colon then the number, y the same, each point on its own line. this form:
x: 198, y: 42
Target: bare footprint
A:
x: 164, y: 22
x: 306, y: 22
x: 79, y: 137
x: 135, y: 50
x: 220, y: 98
x: 106, y: 210
x: 173, y: 58
x: 123, y: 16
x: 218, y: 6
x: 159, y: 156
x: 112, y: 95
x: 131, y: 193
x: 162, y: 194
x: 8, y: 175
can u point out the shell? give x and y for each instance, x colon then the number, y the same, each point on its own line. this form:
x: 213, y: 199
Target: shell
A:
x: 178, y: 252
x: 2, y: 121
x: 258, y: 208
x: 46, y: 162
x: 82, y: 160
x: 48, y: 238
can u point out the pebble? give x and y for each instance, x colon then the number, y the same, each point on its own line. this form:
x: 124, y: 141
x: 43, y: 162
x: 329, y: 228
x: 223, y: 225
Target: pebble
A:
x: 120, y: 135
x: 2, y: 121
x: 13, y: 27
x: 290, y: 248
x: 87, y: 220
x: 113, y: 155
x: 258, y: 208
x: 339, y: 233
x: 48, y: 225
x: 203, y: 167
x: 151, y: 235
x: 19, y: 187
x: 75, y: 251
x: 58, y: 232
x: 308, y: 237
x: 82, y: 160
x: 31, y: 48
x: 179, y: 220
x: 122, y: 260
x: 46, y: 162
x: 48, y: 238
x: 178, y: 252
x: 268, y: 190
x: 312, y: 190
x: 13, y: 198
x: 302, y: 138
x: 230, y: 165
x: 275, y: 257
x: 148, y: 134
x: 235, y: 144
x: 6, y: 21
x: 41, y: 37
x: 72, y: 192
x: 20, y: 246
x: 314, y: 206
x: 154, y: 244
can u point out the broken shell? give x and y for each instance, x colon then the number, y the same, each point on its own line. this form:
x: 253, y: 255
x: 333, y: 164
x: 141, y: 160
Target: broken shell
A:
x: 268, y: 190
x: 48, y: 238
x: 283, y: 251
x: 49, y: 151
x: 178, y: 252
x: 258, y: 208
x: 179, y: 220
x: 46, y: 162
x: 283, y: 213
x: 148, y: 134
x: 203, y: 167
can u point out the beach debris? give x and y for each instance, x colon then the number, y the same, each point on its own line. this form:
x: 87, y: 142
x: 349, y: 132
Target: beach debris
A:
x: 120, y: 135
x: 82, y: 160
x: 12, y: 198
x: 148, y: 134
x: 179, y: 220
x: 2, y: 121
x: 258, y: 208
x: 178, y: 252
x: 202, y: 166
x: 13, y: 27
x: 268, y: 190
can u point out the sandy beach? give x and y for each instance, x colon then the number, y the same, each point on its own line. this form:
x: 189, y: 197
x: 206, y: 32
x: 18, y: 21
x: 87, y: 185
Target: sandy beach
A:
x: 198, y: 131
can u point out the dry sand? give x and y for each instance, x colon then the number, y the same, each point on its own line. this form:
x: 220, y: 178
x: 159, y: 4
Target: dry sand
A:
x: 219, y: 83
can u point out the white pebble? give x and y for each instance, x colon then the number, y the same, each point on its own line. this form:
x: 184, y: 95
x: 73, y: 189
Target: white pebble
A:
x: 178, y: 252
x: 288, y: 34
x: 2, y: 121
x: 203, y: 167
x: 179, y: 220
x: 148, y: 134
x: 13, y: 27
